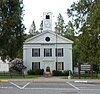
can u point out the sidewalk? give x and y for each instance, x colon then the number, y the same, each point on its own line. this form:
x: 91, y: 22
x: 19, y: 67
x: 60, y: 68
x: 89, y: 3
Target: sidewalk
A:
x: 56, y: 80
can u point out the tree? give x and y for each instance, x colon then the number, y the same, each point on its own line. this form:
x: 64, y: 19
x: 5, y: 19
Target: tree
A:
x: 32, y: 29
x: 86, y: 15
x: 60, y: 25
x: 69, y: 31
x: 17, y: 65
x: 11, y: 27
x: 41, y: 26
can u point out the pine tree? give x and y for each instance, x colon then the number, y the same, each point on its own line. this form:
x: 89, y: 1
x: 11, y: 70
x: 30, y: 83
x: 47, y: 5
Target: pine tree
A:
x: 41, y: 26
x: 32, y: 29
x: 60, y: 25
x: 11, y: 27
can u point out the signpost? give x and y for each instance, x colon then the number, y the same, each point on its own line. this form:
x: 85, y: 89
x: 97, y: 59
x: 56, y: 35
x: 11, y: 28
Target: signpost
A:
x: 85, y: 67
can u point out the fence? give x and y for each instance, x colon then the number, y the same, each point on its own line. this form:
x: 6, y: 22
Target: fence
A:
x: 12, y: 74
x: 85, y: 75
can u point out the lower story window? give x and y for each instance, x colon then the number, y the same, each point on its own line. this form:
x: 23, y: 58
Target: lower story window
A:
x: 59, y: 65
x: 35, y: 65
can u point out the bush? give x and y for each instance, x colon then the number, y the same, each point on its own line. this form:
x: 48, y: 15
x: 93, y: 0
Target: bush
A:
x: 61, y: 73
x: 35, y: 72
x: 57, y: 73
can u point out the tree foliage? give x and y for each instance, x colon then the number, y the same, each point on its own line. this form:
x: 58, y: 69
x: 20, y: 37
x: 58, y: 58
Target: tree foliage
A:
x: 60, y: 25
x: 41, y: 26
x: 17, y: 65
x: 11, y: 27
x: 85, y: 16
x: 32, y: 29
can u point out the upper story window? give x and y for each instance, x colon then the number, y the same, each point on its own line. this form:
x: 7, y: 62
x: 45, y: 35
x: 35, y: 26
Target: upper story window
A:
x: 59, y: 52
x: 47, y: 52
x: 47, y: 16
x: 47, y: 39
x: 36, y: 52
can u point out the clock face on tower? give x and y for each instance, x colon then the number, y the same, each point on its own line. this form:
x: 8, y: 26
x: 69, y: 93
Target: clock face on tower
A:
x: 47, y: 24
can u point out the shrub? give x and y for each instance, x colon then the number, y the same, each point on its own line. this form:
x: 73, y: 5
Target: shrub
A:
x: 61, y: 73
x: 30, y: 72
x: 35, y: 72
x: 57, y: 73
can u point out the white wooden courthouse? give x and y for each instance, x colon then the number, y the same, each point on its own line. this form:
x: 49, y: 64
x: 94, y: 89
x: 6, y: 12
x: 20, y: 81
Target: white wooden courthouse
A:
x: 47, y: 49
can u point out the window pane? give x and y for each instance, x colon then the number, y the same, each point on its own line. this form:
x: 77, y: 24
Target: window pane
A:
x: 59, y: 65
x: 47, y: 17
x: 36, y: 52
x: 59, y: 52
x: 47, y: 52
x: 35, y: 65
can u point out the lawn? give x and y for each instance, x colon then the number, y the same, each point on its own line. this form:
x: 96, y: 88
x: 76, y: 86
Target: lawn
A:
x: 83, y: 77
x: 18, y: 77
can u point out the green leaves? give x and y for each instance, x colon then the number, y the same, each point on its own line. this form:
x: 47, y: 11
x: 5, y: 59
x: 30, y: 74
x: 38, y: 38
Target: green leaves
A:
x: 60, y: 25
x: 12, y: 28
x: 86, y: 19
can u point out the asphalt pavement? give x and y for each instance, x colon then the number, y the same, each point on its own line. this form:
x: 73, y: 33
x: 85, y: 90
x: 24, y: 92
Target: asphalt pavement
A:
x: 50, y: 85
x: 53, y: 79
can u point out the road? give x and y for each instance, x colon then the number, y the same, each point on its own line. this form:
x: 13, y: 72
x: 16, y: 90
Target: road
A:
x: 27, y: 87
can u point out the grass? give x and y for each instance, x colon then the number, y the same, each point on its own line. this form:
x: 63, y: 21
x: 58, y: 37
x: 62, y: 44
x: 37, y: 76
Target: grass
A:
x: 18, y: 77
x: 83, y: 77
x: 64, y: 77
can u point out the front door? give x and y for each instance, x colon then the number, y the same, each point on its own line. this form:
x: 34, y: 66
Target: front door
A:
x: 48, y: 66
x: 47, y: 69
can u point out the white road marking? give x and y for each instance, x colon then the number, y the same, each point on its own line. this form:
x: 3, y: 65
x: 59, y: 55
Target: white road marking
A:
x: 73, y: 85
x: 80, y: 81
x: 6, y: 87
x: 26, y: 85
x: 20, y: 86
x: 16, y: 85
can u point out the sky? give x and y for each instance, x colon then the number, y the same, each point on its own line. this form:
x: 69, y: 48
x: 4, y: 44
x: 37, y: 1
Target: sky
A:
x: 34, y: 11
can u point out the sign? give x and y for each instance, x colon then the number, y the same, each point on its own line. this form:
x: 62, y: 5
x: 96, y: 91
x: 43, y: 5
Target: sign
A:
x: 85, y: 67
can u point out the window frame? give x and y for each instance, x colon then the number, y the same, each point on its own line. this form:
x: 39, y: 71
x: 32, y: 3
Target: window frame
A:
x: 34, y: 65
x: 62, y: 66
x: 59, y: 52
x: 47, y: 52
x: 35, y: 53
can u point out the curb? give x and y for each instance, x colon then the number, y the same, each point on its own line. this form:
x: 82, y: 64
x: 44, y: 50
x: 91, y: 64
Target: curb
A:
x: 4, y: 81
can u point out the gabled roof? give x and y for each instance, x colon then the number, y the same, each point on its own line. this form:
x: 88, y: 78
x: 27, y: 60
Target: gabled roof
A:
x: 54, y: 38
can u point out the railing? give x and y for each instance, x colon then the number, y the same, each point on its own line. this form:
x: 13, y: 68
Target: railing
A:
x: 12, y: 75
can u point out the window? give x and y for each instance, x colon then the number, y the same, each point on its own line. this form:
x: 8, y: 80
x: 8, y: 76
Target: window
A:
x: 59, y: 65
x: 35, y: 65
x: 47, y: 52
x: 59, y: 52
x: 47, y: 16
x: 47, y: 39
x: 35, y: 52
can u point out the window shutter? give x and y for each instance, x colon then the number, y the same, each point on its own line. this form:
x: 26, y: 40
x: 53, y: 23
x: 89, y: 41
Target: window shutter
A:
x: 44, y: 52
x: 56, y: 52
x: 56, y: 65
x: 39, y: 52
x: 32, y: 52
x: 62, y: 65
x: 50, y: 51
x: 62, y: 51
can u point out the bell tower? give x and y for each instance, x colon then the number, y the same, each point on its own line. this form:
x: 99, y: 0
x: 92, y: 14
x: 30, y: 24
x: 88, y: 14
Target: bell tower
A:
x: 47, y: 21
